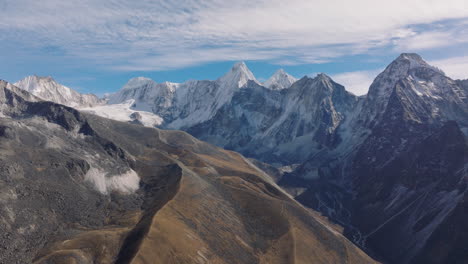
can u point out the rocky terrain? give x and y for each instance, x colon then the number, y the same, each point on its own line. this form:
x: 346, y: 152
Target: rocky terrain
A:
x: 78, y: 188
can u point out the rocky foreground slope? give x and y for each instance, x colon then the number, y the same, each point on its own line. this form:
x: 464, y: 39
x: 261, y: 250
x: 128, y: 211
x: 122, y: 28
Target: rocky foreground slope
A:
x: 78, y: 188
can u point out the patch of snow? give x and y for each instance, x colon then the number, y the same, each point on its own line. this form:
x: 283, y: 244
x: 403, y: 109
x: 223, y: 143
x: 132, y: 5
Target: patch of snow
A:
x: 122, y: 112
x: 127, y: 182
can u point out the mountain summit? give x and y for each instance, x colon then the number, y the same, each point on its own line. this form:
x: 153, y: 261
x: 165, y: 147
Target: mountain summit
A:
x: 48, y: 89
x: 238, y: 76
x: 421, y: 86
x: 279, y: 80
x: 137, y: 82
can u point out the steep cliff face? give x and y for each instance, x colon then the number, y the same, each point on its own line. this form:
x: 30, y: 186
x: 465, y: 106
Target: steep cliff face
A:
x: 405, y: 186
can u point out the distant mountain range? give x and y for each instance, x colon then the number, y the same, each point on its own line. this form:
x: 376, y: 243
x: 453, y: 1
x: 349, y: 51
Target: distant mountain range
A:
x: 391, y: 167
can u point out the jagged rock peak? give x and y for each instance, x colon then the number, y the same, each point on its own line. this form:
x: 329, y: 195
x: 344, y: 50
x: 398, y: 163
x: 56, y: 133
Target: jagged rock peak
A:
x: 321, y: 82
x: 33, y: 82
x: 323, y: 76
x: 411, y: 56
x: 413, y: 61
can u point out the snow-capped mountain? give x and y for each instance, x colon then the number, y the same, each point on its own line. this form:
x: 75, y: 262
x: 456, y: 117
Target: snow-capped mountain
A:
x: 237, y: 77
x: 284, y: 126
x: 147, y: 95
x: 280, y: 80
x: 48, y: 89
x: 280, y: 123
x: 433, y: 95
x: 184, y: 104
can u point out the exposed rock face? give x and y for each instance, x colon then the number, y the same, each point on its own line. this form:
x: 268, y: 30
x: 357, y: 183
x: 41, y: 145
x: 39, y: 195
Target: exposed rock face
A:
x: 78, y: 188
x: 136, y: 118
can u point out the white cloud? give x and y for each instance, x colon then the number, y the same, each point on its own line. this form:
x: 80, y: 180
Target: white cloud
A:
x: 357, y: 82
x: 424, y: 41
x: 432, y: 39
x: 155, y: 35
x: 456, y: 68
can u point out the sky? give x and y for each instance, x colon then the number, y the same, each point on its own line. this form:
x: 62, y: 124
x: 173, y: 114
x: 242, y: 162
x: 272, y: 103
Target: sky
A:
x: 95, y: 46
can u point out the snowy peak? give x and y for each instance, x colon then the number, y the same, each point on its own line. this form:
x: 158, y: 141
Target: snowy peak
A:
x: 48, y: 89
x: 238, y: 76
x: 321, y: 80
x: 322, y: 77
x: 413, y: 61
x: 420, y: 84
x: 406, y: 62
x: 280, y: 80
x: 137, y: 82
x: 411, y: 56
x: 321, y: 86
x: 407, y: 65
x: 36, y: 84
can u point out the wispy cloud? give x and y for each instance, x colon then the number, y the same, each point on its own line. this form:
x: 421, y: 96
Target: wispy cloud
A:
x: 456, y: 68
x: 357, y: 82
x: 440, y: 35
x: 156, y: 35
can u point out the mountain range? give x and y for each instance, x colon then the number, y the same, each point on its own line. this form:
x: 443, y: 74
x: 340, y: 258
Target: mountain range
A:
x: 79, y: 188
x: 390, y: 167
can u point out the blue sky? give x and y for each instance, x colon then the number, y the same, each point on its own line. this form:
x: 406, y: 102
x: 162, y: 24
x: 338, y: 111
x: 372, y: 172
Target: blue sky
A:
x: 96, y: 46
